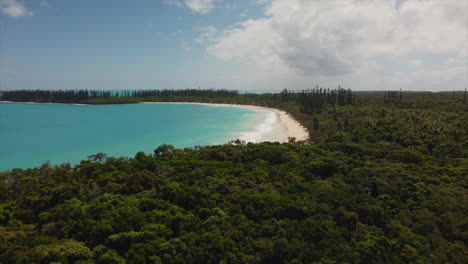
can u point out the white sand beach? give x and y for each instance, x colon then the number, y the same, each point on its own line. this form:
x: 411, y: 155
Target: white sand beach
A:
x: 293, y: 127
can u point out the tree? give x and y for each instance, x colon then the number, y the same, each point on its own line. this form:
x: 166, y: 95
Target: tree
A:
x: 316, y: 123
x: 100, y: 156
x: 164, y: 150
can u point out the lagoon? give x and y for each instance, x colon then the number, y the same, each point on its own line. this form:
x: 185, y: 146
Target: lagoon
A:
x: 31, y: 134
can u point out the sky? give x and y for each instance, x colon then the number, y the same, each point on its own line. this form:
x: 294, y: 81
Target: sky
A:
x: 247, y: 45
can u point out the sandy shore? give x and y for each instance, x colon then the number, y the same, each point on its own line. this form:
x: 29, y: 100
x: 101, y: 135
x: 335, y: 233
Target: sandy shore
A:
x: 294, y: 128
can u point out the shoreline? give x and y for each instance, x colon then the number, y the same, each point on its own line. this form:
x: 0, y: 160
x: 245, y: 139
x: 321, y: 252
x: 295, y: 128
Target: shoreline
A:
x: 294, y: 128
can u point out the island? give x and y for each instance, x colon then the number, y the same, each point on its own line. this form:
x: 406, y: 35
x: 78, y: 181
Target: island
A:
x: 380, y: 178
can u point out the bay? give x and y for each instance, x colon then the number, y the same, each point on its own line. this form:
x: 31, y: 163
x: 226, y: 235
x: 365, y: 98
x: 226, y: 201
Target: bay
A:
x: 31, y: 134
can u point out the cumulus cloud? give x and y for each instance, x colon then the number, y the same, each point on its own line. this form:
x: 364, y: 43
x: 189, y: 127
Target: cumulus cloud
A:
x: 197, y: 6
x: 200, y: 6
x: 340, y: 37
x: 14, y: 9
x: 44, y: 3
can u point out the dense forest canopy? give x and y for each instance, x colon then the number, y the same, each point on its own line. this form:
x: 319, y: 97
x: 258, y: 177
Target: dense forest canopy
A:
x: 383, y: 179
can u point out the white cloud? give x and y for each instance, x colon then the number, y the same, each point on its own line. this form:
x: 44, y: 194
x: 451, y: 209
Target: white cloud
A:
x: 200, y: 6
x: 451, y: 61
x: 415, y: 62
x: 207, y: 34
x: 44, y: 3
x: 458, y: 60
x: 446, y: 79
x: 14, y: 9
x: 197, y: 6
x: 331, y: 38
x: 418, y: 79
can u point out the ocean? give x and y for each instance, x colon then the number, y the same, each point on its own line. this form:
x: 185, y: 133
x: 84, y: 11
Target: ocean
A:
x: 31, y: 134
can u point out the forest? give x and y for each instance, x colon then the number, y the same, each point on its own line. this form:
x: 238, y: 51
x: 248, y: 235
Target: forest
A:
x: 310, y: 101
x: 87, y: 96
x: 382, y: 179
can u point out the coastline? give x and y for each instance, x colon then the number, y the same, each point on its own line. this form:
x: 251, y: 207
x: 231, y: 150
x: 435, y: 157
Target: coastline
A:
x: 294, y: 128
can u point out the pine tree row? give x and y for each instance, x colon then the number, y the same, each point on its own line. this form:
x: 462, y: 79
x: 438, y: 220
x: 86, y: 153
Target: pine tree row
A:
x: 74, y: 96
x: 313, y: 100
x: 393, y: 96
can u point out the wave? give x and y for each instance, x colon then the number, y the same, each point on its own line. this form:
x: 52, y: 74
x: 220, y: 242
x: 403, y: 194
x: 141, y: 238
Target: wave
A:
x: 269, y: 129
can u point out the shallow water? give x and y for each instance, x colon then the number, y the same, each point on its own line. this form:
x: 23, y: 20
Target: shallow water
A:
x: 31, y: 134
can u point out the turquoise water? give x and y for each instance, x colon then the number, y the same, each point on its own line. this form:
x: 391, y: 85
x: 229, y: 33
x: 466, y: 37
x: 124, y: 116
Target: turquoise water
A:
x: 31, y: 134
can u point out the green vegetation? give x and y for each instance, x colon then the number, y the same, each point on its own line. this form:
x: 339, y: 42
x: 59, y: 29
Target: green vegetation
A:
x: 96, y: 96
x: 385, y: 181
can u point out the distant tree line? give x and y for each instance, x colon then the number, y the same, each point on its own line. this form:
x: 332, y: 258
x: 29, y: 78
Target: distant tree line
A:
x: 393, y: 96
x: 64, y: 96
x: 312, y: 100
x: 464, y: 97
x: 184, y: 92
x: 82, y: 96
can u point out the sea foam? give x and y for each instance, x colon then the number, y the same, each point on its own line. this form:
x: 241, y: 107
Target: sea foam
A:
x: 265, y: 127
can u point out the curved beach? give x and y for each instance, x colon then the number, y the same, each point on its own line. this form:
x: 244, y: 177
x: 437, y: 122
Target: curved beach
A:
x: 290, y: 126
x: 285, y: 125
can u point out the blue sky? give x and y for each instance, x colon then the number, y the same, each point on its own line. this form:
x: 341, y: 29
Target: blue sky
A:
x: 255, y: 45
